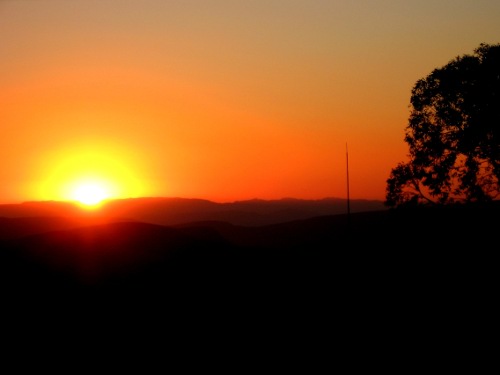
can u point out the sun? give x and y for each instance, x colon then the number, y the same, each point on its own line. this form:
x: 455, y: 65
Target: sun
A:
x: 90, y: 194
x: 88, y: 176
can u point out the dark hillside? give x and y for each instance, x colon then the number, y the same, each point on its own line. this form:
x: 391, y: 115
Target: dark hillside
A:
x: 106, y: 256
x: 373, y: 271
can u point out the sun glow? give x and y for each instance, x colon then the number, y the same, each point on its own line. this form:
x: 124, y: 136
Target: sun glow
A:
x: 90, y: 194
x: 90, y: 177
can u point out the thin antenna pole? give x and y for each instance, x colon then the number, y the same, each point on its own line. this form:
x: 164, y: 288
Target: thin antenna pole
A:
x: 347, y: 171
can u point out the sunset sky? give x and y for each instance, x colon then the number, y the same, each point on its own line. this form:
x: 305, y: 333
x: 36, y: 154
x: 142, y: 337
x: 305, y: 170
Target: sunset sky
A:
x: 218, y: 99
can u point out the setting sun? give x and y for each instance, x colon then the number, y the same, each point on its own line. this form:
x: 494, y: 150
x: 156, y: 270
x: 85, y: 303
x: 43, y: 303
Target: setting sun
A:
x: 90, y: 194
x: 89, y: 175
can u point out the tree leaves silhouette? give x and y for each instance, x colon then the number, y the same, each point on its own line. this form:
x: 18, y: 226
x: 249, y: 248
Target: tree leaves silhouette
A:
x: 453, y: 134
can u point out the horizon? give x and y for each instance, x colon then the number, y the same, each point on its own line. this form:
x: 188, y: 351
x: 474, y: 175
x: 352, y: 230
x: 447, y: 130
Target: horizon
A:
x: 104, y: 201
x: 168, y: 211
x: 224, y: 101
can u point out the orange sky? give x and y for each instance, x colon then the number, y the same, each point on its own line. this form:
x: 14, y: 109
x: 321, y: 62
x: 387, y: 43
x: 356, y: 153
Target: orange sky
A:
x: 223, y: 100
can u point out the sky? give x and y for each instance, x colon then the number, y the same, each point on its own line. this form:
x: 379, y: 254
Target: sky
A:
x: 218, y: 99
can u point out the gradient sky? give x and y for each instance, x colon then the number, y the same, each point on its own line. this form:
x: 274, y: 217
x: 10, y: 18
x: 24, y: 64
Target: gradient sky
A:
x: 218, y: 99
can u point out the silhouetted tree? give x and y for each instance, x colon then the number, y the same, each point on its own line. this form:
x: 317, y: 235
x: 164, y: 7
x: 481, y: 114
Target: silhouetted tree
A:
x: 453, y: 134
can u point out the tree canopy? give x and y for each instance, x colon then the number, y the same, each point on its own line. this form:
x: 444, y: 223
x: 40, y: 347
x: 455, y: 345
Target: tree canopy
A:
x: 453, y: 134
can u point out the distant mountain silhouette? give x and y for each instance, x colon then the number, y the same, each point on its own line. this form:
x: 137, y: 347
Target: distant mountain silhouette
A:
x: 173, y: 211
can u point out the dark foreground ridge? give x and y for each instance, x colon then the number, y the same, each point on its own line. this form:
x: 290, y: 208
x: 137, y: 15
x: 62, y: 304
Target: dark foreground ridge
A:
x: 389, y: 272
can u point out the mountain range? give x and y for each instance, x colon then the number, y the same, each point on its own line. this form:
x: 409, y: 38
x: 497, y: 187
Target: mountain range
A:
x: 173, y: 211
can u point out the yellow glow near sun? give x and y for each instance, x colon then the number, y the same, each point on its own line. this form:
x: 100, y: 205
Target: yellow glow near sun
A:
x: 90, y: 177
